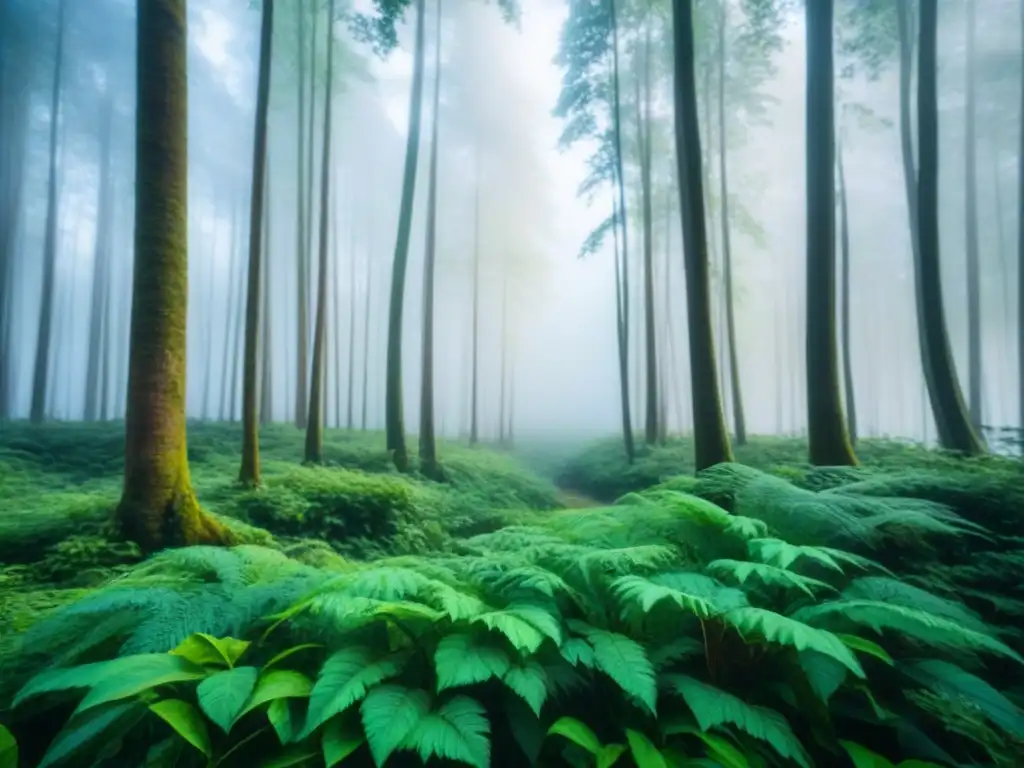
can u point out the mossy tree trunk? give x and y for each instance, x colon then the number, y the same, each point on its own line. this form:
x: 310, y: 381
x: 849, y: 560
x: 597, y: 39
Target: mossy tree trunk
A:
x: 951, y: 416
x: 393, y: 417
x: 428, y: 442
x: 158, y: 507
x: 315, y: 423
x: 828, y: 440
x: 249, y: 473
x: 41, y: 371
x: 711, y: 440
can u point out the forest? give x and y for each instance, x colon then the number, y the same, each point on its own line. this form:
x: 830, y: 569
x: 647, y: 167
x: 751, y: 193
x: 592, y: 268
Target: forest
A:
x: 581, y: 383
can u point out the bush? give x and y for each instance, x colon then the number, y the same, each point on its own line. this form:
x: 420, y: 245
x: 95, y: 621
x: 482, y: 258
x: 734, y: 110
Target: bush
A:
x: 659, y: 630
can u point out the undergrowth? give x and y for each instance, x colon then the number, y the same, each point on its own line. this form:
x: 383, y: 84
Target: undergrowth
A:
x: 661, y: 631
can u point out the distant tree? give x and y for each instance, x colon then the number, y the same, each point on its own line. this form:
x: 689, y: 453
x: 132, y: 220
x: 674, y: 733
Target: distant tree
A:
x: 158, y: 506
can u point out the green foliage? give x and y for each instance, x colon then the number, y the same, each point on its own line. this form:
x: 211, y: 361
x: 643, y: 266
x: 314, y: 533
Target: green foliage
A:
x: 657, y: 631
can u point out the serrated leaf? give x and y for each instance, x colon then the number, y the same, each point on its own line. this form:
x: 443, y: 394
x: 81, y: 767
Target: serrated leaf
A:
x: 186, y: 721
x: 644, y: 593
x: 775, y: 628
x: 529, y: 681
x: 742, y: 571
x: 339, y: 740
x: 147, y: 671
x: 949, y: 679
x: 625, y: 661
x: 99, y: 725
x: 203, y: 649
x: 278, y: 684
x: 713, y: 707
x: 520, y: 632
x: 645, y: 753
x: 389, y: 713
x: 824, y: 674
x: 457, y: 730
x: 577, y: 732
x: 344, y: 679
x: 463, y: 659
x: 577, y: 652
x: 223, y: 695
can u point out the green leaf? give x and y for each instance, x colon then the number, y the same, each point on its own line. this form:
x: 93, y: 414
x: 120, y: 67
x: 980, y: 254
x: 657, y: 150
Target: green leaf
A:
x: 186, y: 721
x: 339, y: 741
x: 636, y: 590
x: 610, y: 754
x: 296, y: 755
x: 8, y: 749
x: 93, y: 728
x: 289, y: 652
x: 464, y: 659
x: 530, y: 682
x: 390, y: 713
x: 278, y: 684
x: 625, y: 661
x: 824, y: 674
x: 576, y: 732
x: 284, y: 720
x: 516, y: 627
x: 742, y: 571
x: 457, y: 730
x: 949, y: 679
x: 645, y: 753
x: 866, y: 646
x: 525, y: 726
x: 578, y: 652
x: 144, y: 673
x: 223, y: 696
x: 713, y: 707
x: 344, y: 679
x: 201, y: 648
x: 89, y: 675
x: 862, y: 757
x: 775, y: 628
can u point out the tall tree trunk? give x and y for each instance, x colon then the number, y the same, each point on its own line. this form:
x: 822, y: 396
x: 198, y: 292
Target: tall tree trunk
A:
x: 711, y: 440
x: 227, y: 394
x: 844, y: 308
x: 974, y: 358
x: 651, y: 398
x: 366, y: 332
x: 394, y: 419
x: 266, y: 329
x: 1020, y: 255
x: 336, y: 303
x: 249, y: 472
x: 739, y: 418
x: 302, y: 238
x: 315, y: 424
x: 158, y: 506
x: 622, y: 255
x: 211, y: 302
x: 474, y: 397
x: 828, y: 440
x: 101, y: 267
x: 952, y: 420
x: 350, y: 416
x: 428, y: 443
x: 41, y: 372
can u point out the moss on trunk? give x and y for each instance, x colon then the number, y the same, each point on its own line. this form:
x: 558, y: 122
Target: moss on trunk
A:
x: 158, y: 507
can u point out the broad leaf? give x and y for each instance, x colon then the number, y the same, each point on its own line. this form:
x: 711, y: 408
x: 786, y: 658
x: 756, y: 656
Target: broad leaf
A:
x: 625, y: 662
x: 186, y: 721
x: 645, y: 753
x: 457, y: 730
x: 201, y: 648
x: 862, y: 757
x: 390, y: 713
x: 93, y: 728
x: 530, y: 682
x: 344, y: 679
x: 223, y: 696
x: 8, y: 749
x: 145, y: 672
x: 340, y: 740
x: 464, y: 659
x: 278, y: 684
x: 577, y: 732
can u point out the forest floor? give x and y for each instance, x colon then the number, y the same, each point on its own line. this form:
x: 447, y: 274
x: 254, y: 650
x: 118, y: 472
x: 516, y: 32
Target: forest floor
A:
x: 922, y: 510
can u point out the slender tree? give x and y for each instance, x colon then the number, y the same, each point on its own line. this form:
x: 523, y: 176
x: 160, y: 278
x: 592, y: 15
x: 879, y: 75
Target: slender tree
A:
x: 266, y: 334
x: 394, y: 419
x: 158, y: 507
x: 974, y: 358
x: 428, y: 442
x: 828, y: 440
x: 711, y: 440
x: 844, y: 308
x: 951, y: 417
x: 302, y: 238
x: 315, y: 423
x: 249, y: 473
x: 1020, y: 252
x: 365, y: 393
x: 474, y: 395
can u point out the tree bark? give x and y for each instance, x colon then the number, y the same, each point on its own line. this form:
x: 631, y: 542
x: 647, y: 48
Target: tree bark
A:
x: 951, y: 417
x: 711, y: 440
x: 394, y: 419
x: 428, y: 443
x: 828, y: 440
x: 158, y: 507
x: 301, y: 230
x: 1020, y: 257
x: 315, y: 424
x: 249, y: 472
x: 974, y: 356
x: 651, y: 399
x: 41, y: 371
x: 266, y: 329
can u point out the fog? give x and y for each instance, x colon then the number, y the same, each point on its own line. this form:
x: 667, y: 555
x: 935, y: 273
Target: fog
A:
x: 509, y: 192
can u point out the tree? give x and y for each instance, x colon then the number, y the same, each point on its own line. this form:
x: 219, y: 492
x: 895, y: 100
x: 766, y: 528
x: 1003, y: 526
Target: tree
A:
x: 315, y: 423
x: 829, y: 442
x: 974, y: 359
x: 158, y: 506
x: 711, y: 440
x: 428, y: 443
x: 1020, y: 245
x: 951, y: 418
x: 249, y: 473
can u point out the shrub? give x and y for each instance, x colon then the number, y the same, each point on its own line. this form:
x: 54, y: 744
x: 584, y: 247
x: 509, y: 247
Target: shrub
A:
x: 658, y: 630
